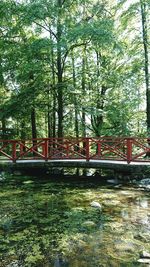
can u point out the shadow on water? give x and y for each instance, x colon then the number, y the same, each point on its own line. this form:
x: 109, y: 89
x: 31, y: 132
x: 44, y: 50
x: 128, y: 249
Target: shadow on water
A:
x: 49, y: 222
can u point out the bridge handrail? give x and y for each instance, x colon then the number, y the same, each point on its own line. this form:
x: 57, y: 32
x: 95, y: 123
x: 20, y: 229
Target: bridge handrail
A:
x: 128, y: 149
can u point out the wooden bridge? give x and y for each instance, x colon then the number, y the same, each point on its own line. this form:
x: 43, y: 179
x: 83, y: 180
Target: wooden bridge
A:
x: 125, y: 150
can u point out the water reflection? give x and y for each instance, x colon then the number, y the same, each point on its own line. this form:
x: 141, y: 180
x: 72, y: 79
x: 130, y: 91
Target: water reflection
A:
x: 137, y: 212
x: 144, y: 203
x: 52, y: 224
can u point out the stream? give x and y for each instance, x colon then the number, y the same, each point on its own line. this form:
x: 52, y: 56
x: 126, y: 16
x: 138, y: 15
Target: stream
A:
x: 49, y: 222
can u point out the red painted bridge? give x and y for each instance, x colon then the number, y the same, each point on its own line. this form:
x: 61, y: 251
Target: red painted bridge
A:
x: 126, y: 149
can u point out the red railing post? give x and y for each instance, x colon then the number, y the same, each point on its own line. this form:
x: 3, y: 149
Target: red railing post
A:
x: 45, y: 149
x: 87, y: 149
x: 99, y: 152
x: 129, y: 150
x: 22, y: 147
x: 14, y: 153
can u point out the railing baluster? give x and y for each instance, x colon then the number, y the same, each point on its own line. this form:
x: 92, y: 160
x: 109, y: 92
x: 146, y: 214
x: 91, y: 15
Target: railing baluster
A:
x: 14, y: 153
x: 22, y: 147
x: 99, y: 152
x: 129, y: 150
x: 45, y: 149
x: 87, y: 148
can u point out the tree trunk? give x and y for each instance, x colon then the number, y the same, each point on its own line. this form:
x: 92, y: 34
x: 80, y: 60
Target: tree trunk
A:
x: 75, y: 100
x: 97, y: 120
x: 33, y: 123
x: 54, y: 96
x: 53, y: 92
x: 22, y: 130
x: 22, y: 135
x: 146, y: 65
x: 83, y: 84
x: 59, y: 72
x: 76, y: 118
x: 60, y: 101
x: 3, y: 120
x: 33, y: 127
x: 49, y: 122
x: 83, y: 93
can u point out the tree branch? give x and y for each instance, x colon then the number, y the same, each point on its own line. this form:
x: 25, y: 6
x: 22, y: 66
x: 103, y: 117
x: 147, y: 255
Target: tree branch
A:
x: 45, y: 28
x: 63, y: 2
x: 67, y: 52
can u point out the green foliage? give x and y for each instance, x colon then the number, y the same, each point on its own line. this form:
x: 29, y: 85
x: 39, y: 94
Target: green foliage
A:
x: 38, y: 41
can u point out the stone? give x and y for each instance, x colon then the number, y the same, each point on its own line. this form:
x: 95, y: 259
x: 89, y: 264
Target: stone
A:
x: 95, y: 204
x: 145, y: 181
x: 89, y: 223
x: 145, y: 257
x: 112, y: 181
x: 17, y: 173
x: 146, y: 261
x: 145, y: 254
x: 14, y: 263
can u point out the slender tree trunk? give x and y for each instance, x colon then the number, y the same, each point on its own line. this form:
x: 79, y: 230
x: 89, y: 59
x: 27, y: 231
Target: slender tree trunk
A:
x: 53, y: 91
x: 3, y: 121
x: 97, y: 120
x: 100, y: 97
x: 53, y: 96
x: 60, y: 99
x: 49, y: 122
x: 59, y: 72
x: 33, y: 127
x: 48, y: 115
x: 76, y: 118
x: 75, y: 100
x: 33, y: 123
x: 83, y: 84
x: 22, y: 132
x: 146, y: 66
x: 54, y: 114
x: 83, y: 93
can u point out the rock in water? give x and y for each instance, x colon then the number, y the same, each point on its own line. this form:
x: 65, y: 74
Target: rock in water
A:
x: 112, y: 181
x: 89, y: 224
x: 145, y: 258
x: 96, y: 205
x: 146, y: 261
x: 145, y: 254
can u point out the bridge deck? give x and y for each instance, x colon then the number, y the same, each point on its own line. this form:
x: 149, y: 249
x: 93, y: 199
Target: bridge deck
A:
x: 85, y: 152
x: 97, y: 164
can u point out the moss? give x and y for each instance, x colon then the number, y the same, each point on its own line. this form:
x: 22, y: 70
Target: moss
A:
x: 43, y: 222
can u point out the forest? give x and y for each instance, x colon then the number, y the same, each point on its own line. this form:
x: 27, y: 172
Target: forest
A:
x: 74, y: 68
x: 69, y: 69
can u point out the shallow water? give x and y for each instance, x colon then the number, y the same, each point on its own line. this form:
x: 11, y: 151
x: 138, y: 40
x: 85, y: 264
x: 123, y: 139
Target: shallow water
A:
x: 50, y: 223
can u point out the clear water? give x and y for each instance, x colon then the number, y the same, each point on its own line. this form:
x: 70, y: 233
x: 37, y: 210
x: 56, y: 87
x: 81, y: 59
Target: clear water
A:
x: 49, y: 222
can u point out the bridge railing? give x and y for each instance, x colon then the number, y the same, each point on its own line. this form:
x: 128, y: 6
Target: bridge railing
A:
x: 91, y: 148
